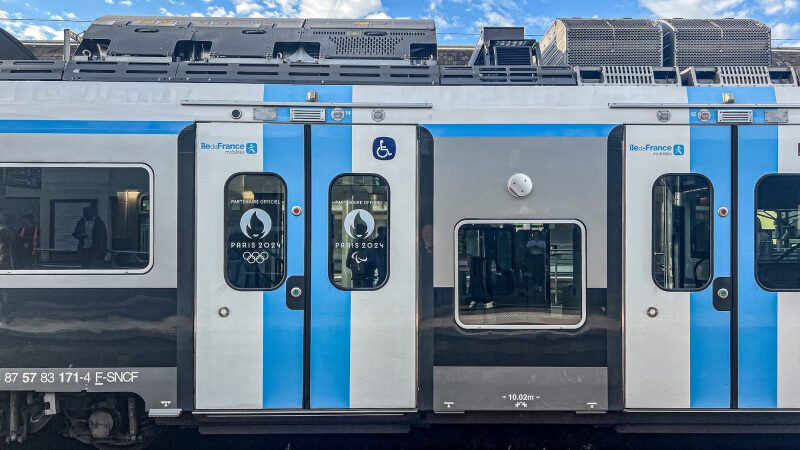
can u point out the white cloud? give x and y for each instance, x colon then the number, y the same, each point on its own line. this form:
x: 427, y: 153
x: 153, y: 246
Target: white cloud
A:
x: 70, y: 15
x: 197, y: 14
x: 538, y: 21
x: 110, y: 2
x: 126, y: 2
x: 353, y: 9
x: 247, y: 6
x: 695, y: 8
x: 164, y: 12
x: 788, y: 33
x: 219, y: 11
x: 496, y: 19
x: 772, y: 7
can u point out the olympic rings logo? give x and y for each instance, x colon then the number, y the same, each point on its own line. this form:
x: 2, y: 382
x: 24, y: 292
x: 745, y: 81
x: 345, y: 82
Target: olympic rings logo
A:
x: 255, y: 257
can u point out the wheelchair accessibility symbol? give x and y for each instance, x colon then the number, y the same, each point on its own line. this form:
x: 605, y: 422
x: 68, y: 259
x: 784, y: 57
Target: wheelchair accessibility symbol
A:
x: 383, y: 148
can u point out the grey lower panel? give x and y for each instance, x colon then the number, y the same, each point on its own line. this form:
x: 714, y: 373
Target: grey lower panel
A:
x: 158, y: 386
x: 471, y: 388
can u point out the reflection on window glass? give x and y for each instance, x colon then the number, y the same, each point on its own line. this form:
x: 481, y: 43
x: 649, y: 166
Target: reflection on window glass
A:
x: 777, y: 225
x: 73, y: 218
x: 520, y: 274
x: 682, y: 232
x: 359, y: 232
x: 255, y: 231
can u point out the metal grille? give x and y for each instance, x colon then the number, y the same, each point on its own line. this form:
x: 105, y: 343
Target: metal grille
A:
x: 628, y: 75
x: 597, y: 42
x: 365, y: 45
x: 513, y: 56
x: 717, y: 42
x: 744, y: 75
x: 735, y: 116
x: 307, y: 114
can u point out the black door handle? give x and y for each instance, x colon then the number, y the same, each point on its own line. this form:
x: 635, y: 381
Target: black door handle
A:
x: 723, y: 287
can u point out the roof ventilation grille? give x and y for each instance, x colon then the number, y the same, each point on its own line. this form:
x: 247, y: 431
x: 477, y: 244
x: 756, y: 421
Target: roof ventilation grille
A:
x: 505, y: 46
x: 744, y: 75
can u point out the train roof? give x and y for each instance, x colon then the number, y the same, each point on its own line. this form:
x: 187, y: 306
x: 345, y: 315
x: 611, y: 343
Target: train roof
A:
x: 574, y: 51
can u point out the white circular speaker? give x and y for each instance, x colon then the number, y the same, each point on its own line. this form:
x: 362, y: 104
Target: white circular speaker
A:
x: 520, y: 185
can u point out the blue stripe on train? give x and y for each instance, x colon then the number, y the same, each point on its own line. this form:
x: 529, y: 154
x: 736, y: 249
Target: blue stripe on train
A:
x: 283, y: 328
x: 92, y: 126
x: 710, y: 346
x: 330, y: 311
x: 757, y: 309
x: 520, y: 130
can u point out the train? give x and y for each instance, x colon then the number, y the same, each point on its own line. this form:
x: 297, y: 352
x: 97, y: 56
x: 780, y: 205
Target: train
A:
x: 258, y: 225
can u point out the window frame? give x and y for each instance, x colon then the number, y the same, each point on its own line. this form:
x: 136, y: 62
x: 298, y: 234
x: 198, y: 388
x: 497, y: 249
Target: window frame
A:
x: 576, y: 326
x: 225, y: 233
x: 711, y: 234
x: 388, y: 232
x: 755, y: 230
x: 99, y: 165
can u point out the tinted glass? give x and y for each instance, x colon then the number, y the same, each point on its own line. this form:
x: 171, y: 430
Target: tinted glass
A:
x: 777, y: 225
x: 74, y: 218
x: 520, y: 274
x: 359, y: 232
x: 255, y: 231
x: 682, y: 232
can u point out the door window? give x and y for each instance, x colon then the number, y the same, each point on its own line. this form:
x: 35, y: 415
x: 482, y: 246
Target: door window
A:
x: 358, y: 249
x: 255, y: 231
x: 682, y: 239
x: 777, y: 229
x: 517, y: 275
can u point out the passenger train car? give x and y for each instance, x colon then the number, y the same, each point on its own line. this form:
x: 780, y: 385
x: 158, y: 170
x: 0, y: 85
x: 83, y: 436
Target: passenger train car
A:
x: 287, y: 226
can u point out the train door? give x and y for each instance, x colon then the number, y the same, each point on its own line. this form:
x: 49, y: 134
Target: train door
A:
x: 306, y: 274
x: 711, y: 233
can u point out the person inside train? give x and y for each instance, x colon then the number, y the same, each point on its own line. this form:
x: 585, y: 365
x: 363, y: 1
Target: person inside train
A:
x: 536, y: 262
x: 379, y: 253
x: 90, y: 231
x: 27, y: 246
x: 360, y: 260
x: 6, y: 245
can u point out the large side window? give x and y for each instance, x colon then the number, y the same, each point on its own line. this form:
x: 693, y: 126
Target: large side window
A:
x: 358, y: 240
x: 777, y: 225
x: 255, y: 231
x: 520, y: 274
x: 75, y: 218
x: 682, y: 238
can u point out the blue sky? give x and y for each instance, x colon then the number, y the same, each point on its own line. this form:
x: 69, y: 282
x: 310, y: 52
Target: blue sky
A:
x: 457, y: 20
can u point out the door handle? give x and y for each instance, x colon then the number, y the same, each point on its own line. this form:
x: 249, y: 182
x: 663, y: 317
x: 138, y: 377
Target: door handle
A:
x: 295, y: 293
x: 722, y: 287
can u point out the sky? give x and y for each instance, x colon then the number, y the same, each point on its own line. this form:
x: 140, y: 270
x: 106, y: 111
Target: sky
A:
x: 457, y: 21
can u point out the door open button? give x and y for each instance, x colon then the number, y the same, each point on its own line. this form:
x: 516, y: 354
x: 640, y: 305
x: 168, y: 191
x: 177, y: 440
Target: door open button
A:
x: 296, y: 292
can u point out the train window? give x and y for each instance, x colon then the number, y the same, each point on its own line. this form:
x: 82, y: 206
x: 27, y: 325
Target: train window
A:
x: 74, y: 218
x: 520, y: 275
x: 255, y: 231
x: 358, y: 232
x: 777, y: 232
x: 682, y: 238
